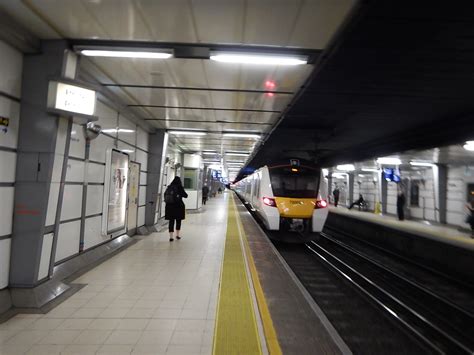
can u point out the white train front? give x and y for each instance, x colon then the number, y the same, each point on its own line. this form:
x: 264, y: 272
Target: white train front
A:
x: 287, y: 197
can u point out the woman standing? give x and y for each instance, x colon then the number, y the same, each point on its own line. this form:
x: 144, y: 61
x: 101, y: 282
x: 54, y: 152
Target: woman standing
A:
x: 470, y: 216
x: 174, y: 209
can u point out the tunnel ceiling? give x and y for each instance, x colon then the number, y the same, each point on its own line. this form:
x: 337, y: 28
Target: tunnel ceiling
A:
x: 399, y: 76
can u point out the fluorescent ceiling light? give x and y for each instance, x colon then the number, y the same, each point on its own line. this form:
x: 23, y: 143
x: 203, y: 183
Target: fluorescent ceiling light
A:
x: 120, y: 130
x: 469, y: 146
x: 242, y: 135
x: 420, y: 163
x: 370, y: 169
x: 325, y: 172
x: 127, y: 151
x: 346, y: 167
x: 389, y: 161
x: 238, y: 154
x: 238, y: 151
x: 209, y: 153
x: 260, y: 59
x: 125, y: 54
x: 187, y: 133
x: 339, y: 175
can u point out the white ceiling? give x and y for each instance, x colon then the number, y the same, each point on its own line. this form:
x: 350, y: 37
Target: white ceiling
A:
x: 304, y: 24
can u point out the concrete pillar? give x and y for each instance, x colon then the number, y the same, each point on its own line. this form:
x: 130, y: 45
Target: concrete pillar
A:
x: 43, y: 143
x: 157, y: 145
x: 351, y: 187
x: 330, y: 197
x: 441, y: 186
x: 383, y: 192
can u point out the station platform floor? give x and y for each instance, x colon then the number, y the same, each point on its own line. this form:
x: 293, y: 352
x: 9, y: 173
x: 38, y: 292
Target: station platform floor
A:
x: 203, y: 294
x: 446, y: 234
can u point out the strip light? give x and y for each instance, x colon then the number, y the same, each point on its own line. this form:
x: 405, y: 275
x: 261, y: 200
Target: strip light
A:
x: 242, y: 135
x: 238, y: 154
x: 469, y: 146
x: 209, y: 153
x: 260, y: 59
x: 346, y: 167
x: 370, y: 169
x: 187, y: 133
x: 389, y: 161
x: 120, y: 130
x: 125, y: 54
x: 421, y: 163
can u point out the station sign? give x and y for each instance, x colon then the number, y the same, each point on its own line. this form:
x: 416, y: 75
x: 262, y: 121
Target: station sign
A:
x: 71, y: 99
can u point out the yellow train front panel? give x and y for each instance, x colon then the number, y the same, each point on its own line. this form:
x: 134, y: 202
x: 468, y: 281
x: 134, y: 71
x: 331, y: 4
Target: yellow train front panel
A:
x: 295, y: 207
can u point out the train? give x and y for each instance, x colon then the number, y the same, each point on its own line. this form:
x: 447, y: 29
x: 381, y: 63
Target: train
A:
x: 288, y: 196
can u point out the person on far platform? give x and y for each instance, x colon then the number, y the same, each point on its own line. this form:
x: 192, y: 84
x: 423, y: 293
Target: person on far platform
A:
x: 205, y: 194
x: 175, y: 208
x: 359, y: 202
x: 401, y: 205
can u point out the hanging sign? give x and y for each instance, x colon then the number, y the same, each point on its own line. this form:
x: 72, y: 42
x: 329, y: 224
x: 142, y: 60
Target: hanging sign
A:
x: 71, y: 99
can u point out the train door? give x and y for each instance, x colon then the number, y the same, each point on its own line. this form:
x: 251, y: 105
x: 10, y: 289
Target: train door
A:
x: 134, y: 183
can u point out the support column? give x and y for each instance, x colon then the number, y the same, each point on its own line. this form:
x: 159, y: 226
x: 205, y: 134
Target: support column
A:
x: 441, y: 191
x: 383, y: 192
x: 330, y: 197
x: 41, y: 159
x: 351, y: 187
x: 157, y: 146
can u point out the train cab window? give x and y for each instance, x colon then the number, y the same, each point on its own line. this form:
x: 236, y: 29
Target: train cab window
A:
x: 291, y: 182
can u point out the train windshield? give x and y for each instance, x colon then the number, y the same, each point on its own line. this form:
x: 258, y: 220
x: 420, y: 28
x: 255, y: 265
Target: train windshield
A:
x: 300, y: 182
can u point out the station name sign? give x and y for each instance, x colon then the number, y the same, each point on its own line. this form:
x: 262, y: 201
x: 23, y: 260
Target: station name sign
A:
x: 71, y: 99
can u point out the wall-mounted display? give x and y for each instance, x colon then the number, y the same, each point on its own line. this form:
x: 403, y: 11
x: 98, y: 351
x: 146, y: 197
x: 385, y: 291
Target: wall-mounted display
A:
x: 115, y: 192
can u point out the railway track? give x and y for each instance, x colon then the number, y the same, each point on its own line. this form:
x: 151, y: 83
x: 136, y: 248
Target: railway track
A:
x: 438, y: 322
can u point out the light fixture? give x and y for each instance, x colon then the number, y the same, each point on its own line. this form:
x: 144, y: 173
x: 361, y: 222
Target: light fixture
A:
x: 260, y: 59
x: 187, y: 133
x: 346, y: 167
x: 241, y: 135
x: 339, y: 175
x: 325, y: 172
x: 119, y: 130
x: 370, y: 169
x: 127, y: 151
x: 238, y: 154
x: 238, y: 151
x: 469, y: 146
x: 125, y: 54
x: 389, y: 161
x: 209, y: 153
x: 420, y: 163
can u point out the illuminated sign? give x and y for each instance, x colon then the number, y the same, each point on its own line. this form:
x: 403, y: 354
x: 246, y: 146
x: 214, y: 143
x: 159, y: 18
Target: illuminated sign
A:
x: 72, y: 99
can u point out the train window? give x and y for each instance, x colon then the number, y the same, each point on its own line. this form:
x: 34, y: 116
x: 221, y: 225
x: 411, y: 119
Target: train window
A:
x: 290, y: 182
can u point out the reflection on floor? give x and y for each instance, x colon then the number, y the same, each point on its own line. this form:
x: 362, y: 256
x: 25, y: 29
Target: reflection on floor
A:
x: 155, y: 297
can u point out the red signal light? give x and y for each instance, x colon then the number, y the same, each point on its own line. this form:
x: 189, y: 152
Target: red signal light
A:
x: 269, y: 201
x: 270, y: 84
x: 321, y: 204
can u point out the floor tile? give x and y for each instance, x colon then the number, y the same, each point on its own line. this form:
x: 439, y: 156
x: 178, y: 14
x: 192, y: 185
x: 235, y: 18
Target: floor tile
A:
x: 104, y: 324
x: 27, y: 337
x: 132, y: 324
x: 150, y: 337
x: 80, y: 349
x: 60, y: 337
x: 162, y: 324
x: 124, y: 337
x: 46, y: 323
x: 76, y: 323
x: 92, y: 337
x: 108, y: 349
x: 187, y: 338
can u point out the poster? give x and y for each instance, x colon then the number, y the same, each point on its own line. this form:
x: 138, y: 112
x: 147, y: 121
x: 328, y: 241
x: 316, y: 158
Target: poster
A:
x: 116, y: 199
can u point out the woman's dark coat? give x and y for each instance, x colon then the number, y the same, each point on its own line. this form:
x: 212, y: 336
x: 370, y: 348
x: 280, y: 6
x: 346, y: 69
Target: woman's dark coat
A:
x: 176, y: 210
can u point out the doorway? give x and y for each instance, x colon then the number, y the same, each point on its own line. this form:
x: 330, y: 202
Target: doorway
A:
x: 134, y: 183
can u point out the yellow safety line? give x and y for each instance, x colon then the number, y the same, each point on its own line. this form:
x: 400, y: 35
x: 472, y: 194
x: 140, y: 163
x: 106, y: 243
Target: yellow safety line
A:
x: 236, y: 329
x: 270, y: 334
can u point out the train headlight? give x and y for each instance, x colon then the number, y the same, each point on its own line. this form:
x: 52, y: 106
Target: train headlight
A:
x: 269, y: 201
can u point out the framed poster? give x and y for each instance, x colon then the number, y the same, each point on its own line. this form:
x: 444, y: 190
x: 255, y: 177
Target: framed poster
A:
x: 115, y: 192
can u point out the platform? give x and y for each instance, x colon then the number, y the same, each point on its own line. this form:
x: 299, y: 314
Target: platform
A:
x: 215, y: 291
x: 447, y: 234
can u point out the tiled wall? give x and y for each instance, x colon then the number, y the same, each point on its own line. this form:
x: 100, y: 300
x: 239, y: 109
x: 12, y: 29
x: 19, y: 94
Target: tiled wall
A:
x: 365, y: 185
x: 82, y: 173
x: 10, y: 89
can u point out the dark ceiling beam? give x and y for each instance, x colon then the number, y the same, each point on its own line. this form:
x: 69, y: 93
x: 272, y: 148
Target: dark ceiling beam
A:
x: 191, y: 88
x: 208, y: 121
x: 194, y: 50
x: 207, y: 108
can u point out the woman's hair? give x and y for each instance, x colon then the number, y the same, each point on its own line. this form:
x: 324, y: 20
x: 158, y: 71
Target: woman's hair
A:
x: 176, y: 181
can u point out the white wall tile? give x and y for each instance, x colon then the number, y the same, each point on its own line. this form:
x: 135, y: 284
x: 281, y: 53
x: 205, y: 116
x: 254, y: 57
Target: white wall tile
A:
x: 99, y: 147
x: 143, y: 177
x: 68, y: 240
x: 52, y: 203
x: 8, y: 166
x: 75, y: 171
x: 128, y: 137
x: 57, y: 167
x: 77, y: 145
x: 6, y: 208
x: 95, y: 173
x: 72, y: 202
x: 107, y: 117
x: 5, y: 245
x: 142, y: 158
x: 11, y: 66
x: 94, y: 199
x: 141, y: 216
x: 142, y: 196
x: 92, y: 232
x: 142, y: 139
x: 45, y: 256
x: 127, y: 148
x: 11, y: 110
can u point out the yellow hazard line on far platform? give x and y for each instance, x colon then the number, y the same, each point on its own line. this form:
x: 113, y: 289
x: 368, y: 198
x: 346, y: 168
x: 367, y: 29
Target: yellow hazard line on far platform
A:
x: 236, y: 329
